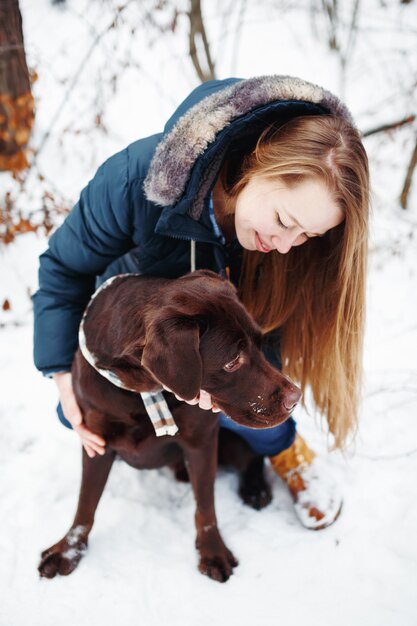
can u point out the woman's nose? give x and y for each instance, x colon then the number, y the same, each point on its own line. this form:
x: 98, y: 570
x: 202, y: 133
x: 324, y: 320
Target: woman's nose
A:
x: 285, y: 241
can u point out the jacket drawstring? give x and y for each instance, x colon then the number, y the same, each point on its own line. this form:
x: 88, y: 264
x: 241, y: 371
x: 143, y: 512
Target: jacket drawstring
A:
x: 193, y: 255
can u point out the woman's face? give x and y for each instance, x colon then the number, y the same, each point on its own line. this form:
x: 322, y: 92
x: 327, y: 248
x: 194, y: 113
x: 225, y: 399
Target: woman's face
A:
x: 271, y: 216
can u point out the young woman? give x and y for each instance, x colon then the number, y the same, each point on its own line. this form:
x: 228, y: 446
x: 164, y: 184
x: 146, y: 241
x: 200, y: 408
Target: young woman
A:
x: 266, y: 181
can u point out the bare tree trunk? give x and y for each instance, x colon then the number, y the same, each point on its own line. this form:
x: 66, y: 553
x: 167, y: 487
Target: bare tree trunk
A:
x: 197, y: 29
x: 16, y: 101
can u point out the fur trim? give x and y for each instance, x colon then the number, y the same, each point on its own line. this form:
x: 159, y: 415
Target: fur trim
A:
x: 178, y: 151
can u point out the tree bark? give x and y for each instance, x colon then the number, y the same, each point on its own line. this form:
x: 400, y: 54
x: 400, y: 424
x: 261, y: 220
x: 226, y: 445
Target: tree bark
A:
x: 197, y: 29
x: 16, y: 101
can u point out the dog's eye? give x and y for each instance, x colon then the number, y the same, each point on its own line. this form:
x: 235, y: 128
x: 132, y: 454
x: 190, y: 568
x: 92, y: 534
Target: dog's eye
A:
x: 233, y: 365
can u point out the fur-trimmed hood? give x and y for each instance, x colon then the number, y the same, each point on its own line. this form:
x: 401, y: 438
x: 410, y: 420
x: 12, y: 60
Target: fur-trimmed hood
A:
x: 188, y: 158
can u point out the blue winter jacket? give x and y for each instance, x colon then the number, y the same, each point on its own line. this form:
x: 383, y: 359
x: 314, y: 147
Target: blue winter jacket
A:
x: 146, y: 203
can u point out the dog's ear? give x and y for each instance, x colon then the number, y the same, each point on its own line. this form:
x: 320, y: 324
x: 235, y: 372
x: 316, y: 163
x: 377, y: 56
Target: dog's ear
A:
x: 171, y: 353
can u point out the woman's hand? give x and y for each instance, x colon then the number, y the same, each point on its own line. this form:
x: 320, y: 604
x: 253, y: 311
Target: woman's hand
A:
x: 92, y: 443
x: 203, y: 400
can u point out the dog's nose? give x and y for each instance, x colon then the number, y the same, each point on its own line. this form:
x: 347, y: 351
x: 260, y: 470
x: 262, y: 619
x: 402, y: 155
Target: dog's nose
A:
x: 291, y: 397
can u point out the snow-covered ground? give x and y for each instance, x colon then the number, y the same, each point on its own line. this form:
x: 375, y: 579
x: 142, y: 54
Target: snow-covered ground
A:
x: 141, y: 564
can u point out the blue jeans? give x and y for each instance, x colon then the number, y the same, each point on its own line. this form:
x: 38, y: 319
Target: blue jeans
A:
x: 268, y: 441
x: 62, y: 417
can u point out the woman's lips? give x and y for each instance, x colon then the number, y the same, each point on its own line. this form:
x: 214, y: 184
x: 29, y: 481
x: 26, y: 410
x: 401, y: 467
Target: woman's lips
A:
x: 260, y: 245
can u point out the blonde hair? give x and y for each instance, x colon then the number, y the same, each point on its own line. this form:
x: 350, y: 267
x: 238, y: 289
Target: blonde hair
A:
x: 316, y: 292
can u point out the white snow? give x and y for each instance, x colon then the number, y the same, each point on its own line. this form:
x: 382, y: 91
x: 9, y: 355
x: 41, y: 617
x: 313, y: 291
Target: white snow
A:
x: 141, y: 563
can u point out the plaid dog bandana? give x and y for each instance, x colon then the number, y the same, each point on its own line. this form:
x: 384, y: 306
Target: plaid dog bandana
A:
x: 154, y: 401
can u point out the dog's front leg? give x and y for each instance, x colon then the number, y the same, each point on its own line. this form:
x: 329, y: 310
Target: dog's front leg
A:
x: 216, y: 560
x: 64, y: 556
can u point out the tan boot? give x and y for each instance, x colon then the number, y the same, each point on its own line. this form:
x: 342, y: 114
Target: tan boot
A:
x: 316, y: 501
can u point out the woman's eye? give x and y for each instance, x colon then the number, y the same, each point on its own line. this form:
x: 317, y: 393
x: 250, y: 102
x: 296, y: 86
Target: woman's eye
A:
x: 233, y: 364
x: 280, y: 223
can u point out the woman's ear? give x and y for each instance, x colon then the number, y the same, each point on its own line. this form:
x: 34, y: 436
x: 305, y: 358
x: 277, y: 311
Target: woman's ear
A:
x: 172, y: 356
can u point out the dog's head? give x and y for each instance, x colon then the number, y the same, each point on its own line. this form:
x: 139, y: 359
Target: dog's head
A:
x: 203, y: 338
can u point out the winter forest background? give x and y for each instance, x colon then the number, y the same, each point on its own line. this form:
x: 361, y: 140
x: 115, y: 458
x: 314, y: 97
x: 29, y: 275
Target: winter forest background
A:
x: 104, y: 73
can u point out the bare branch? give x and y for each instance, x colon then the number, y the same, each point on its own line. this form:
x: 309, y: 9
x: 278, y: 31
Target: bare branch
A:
x: 408, y: 178
x: 75, y: 79
x: 197, y: 29
x: 353, y: 30
x: 390, y: 126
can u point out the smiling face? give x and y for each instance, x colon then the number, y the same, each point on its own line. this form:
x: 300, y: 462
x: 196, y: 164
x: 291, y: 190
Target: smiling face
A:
x: 269, y: 215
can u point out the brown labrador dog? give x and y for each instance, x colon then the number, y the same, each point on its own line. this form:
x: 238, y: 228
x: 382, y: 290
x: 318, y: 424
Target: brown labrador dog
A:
x: 186, y: 334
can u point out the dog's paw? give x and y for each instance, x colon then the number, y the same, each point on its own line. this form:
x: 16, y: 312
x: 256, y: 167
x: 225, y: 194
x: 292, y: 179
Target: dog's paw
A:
x: 256, y: 493
x: 219, y: 567
x: 216, y: 560
x: 63, y: 557
x: 60, y: 559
